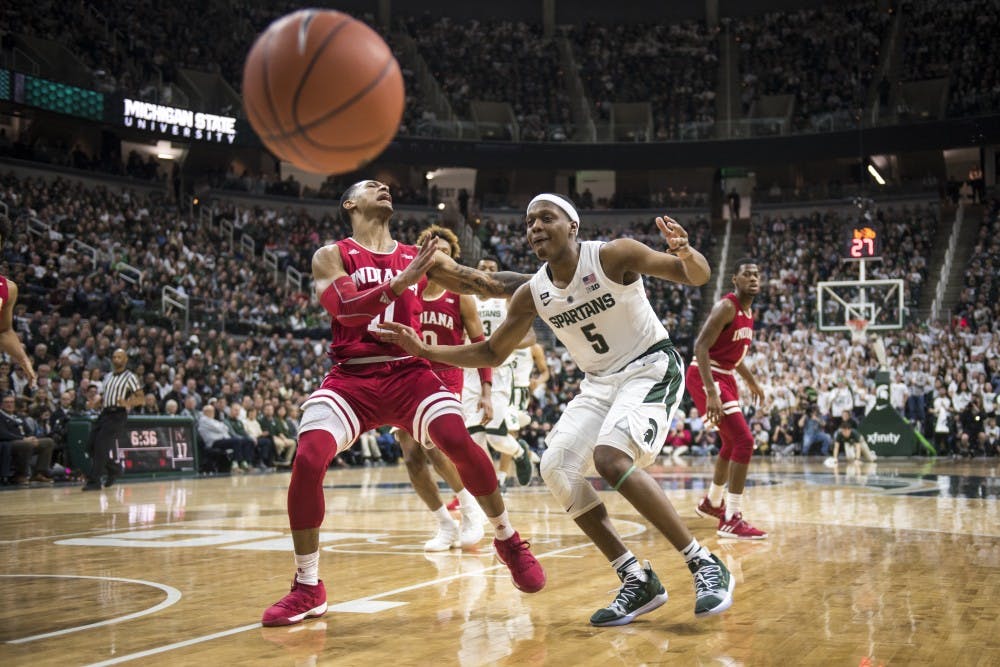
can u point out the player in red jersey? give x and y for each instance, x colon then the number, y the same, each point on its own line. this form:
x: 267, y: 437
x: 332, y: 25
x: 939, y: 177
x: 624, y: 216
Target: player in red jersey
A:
x: 446, y: 319
x: 9, y: 341
x: 363, y: 281
x: 719, y: 350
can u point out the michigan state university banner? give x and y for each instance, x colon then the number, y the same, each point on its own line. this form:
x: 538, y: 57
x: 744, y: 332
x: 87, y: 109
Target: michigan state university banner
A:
x: 887, y: 433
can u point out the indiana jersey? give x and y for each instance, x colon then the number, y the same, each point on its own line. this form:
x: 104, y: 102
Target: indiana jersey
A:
x: 492, y: 312
x: 733, y: 342
x: 604, y: 325
x: 522, y: 363
x: 4, y: 291
x: 368, y: 268
x: 441, y: 322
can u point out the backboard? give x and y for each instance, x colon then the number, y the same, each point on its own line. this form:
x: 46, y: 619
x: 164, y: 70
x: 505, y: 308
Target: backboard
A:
x: 881, y: 302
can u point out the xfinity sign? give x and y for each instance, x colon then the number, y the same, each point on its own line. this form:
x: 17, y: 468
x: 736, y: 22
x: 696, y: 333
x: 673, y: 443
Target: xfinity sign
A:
x: 180, y: 123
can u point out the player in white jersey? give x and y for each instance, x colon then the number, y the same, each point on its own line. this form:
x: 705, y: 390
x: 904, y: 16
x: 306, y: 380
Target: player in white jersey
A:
x: 492, y: 312
x: 592, y: 295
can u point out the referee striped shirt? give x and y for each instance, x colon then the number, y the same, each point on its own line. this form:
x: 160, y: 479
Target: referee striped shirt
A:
x: 119, y: 386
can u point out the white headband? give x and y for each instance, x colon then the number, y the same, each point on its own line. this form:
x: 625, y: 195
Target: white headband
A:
x: 558, y: 201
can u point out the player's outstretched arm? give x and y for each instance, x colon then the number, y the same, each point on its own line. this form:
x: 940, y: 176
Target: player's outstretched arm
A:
x: 520, y: 316
x: 465, y: 280
x: 9, y: 341
x: 755, y: 389
x: 686, y: 265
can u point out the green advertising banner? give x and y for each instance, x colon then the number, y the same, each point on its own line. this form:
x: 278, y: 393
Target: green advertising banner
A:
x: 885, y: 430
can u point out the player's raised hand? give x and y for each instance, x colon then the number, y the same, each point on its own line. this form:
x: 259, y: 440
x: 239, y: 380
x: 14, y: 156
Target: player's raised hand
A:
x: 676, y: 237
x: 422, y: 263
x: 401, y: 335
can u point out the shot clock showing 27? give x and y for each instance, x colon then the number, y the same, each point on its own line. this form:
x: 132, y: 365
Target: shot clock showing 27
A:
x: 863, y: 242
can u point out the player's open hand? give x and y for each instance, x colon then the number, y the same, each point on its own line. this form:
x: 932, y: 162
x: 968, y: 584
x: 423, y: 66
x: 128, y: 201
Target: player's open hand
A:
x: 401, y: 335
x: 420, y: 265
x: 676, y: 237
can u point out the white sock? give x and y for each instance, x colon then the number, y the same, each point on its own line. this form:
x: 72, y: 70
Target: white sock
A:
x: 627, y: 562
x: 734, y: 504
x: 501, y: 477
x: 502, y: 525
x: 715, y: 494
x: 517, y: 451
x: 307, y: 569
x: 443, y: 516
x: 466, y: 501
x: 695, y: 550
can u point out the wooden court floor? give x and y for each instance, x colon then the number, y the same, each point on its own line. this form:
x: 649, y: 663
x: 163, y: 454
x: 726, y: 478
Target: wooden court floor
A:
x: 895, y: 563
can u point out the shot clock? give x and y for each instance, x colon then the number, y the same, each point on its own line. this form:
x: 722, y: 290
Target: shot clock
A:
x: 863, y: 242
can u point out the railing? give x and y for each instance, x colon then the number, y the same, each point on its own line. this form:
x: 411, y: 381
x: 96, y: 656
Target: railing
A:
x: 248, y: 246
x: 723, y: 259
x: 85, y: 249
x: 37, y: 228
x: 293, y: 278
x: 129, y: 273
x: 271, y: 262
x: 227, y: 228
x: 171, y: 298
x: 949, y: 257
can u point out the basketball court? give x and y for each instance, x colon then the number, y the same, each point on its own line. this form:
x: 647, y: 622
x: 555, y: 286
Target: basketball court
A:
x: 894, y: 563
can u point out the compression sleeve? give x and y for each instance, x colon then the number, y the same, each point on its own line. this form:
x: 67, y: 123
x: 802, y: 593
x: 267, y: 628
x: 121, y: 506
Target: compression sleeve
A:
x: 353, y: 308
x: 485, y: 374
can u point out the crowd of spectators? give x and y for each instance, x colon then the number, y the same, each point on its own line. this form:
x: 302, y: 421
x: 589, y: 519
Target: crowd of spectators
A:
x: 673, y: 67
x: 979, y: 303
x: 75, y: 308
x: 498, y: 61
x: 826, y: 57
x: 803, y: 250
x: 957, y: 41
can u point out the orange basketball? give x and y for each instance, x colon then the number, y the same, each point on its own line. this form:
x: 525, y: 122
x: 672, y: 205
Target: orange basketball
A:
x: 323, y: 91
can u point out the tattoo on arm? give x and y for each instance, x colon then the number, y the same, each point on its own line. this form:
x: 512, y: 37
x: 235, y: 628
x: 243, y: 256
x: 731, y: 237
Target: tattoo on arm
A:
x: 472, y: 281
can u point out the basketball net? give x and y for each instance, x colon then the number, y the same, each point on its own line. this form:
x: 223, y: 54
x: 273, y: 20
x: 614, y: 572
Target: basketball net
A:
x: 859, y: 336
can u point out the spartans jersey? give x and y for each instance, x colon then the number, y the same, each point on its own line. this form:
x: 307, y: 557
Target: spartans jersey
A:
x: 522, y: 363
x: 492, y: 312
x: 604, y: 325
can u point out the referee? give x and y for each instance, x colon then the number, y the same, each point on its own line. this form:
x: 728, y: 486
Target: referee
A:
x: 120, y: 391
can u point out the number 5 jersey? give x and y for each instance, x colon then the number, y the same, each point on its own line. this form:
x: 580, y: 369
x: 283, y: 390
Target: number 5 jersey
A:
x: 603, y: 324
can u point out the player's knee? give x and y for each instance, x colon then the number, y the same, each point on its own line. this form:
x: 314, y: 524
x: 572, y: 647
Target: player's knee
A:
x: 611, y: 463
x: 315, y: 451
x: 563, y: 473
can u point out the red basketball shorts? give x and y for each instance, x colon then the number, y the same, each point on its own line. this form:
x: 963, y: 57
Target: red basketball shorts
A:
x: 737, y: 441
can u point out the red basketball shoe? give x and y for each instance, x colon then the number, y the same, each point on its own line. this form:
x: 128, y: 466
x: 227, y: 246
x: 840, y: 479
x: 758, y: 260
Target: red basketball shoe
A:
x: 738, y: 529
x: 525, y: 570
x: 301, y: 602
x: 707, y: 510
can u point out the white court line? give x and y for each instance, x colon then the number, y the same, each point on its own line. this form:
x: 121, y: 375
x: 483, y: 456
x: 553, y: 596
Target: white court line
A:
x: 171, y: 647
x: 173, y: 595
x: 225, y: 633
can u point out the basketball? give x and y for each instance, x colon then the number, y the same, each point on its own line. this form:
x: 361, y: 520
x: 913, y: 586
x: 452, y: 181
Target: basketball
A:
x: 323, y: 91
